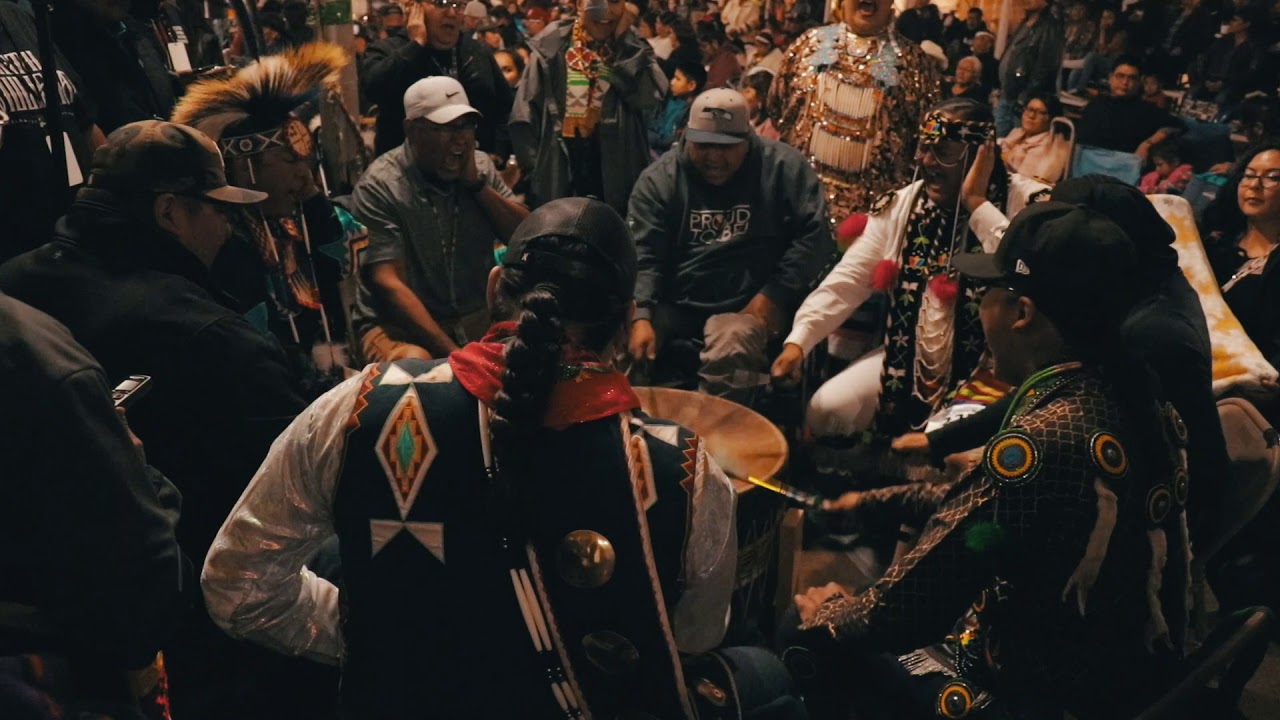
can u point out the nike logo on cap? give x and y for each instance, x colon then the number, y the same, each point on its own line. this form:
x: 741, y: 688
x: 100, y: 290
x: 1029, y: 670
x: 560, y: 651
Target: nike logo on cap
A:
x: 1021, y: 268
x: 449, y: 96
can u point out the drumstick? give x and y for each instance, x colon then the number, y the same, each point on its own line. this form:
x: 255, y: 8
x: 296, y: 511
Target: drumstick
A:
x: 812, y: 501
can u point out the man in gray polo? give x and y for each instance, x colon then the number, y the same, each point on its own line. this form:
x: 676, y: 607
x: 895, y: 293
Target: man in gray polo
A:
x: 435, y: 208
x: 731, y: 235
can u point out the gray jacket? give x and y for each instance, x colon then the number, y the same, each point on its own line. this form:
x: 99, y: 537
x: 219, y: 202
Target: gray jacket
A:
x: 637, y: 86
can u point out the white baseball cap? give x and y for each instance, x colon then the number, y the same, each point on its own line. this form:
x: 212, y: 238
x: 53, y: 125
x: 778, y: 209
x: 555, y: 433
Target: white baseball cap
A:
x: 476, y: 9
x: 439, y: 99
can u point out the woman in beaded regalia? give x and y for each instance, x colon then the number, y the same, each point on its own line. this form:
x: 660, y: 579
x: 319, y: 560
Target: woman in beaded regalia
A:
x: 850, y: 96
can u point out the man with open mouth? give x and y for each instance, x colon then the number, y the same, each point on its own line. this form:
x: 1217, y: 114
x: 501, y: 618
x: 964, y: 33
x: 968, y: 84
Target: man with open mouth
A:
x: 848, y: 96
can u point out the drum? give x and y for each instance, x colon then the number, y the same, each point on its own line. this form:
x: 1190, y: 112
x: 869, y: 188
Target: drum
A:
x: 744, y: 444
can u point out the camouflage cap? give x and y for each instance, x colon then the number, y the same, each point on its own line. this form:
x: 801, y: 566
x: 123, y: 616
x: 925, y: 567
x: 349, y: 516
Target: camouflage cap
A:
x: 157, y: 156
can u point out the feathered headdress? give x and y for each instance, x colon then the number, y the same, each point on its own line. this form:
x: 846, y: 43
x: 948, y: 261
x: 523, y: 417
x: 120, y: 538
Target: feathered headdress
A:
x: 254, y: 109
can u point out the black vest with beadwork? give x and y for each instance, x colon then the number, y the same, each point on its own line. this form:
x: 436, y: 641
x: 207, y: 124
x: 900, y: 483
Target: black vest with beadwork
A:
x: 431, y: 622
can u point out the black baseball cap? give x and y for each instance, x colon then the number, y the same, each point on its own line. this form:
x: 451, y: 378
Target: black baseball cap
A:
x: 158, y: 156
x: 595, y: 224
x: 1074, y: 262
x: 1126, y: 206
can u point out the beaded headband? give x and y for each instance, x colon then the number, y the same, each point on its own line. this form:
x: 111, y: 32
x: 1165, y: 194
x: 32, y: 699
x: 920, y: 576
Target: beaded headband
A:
x: 937, y: 127
x: 292, y: 135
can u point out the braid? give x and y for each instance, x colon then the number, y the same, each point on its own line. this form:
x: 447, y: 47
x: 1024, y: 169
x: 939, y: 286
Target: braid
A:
x: 533, y: 361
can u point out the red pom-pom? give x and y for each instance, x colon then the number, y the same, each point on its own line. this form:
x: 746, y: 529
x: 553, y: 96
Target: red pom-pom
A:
x: 852, y: 227
x: 945, y: 288
x: 885, y: 275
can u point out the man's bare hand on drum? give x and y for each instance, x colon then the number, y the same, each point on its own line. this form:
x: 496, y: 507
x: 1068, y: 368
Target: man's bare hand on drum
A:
x: 910, y: 443
x: 847, y: 502
x: 767, y: 312
x: 643, y: 344
x: 786, y: 368
x: 810, y: 600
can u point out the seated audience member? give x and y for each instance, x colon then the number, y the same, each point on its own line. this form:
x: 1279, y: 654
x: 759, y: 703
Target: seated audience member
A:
x: 1034, y: 149
x: 723, y: 69
x: 1170, y: 176
x: 967, y: 82
x: 1166, y: 329
x: 1153, y: 92
x: 435, y: 208
x: 663, y: 40
x: 731, y: 232
x: 481, y: 479
x: 1079, y: 31
x: 128, y: 273
x: 767, y: 56
x: 755, y: 89
x: 1057, y: 569
x: 1229, y: 68
x: 741, y: 18
x: 93, y: 577
x: 933, y: 340
x: 958, y: 36
x: 1121, y: 121
x: 1188, y: 35
x: 1112, y: 43
x: 668, y: 122
x: 684, y: 47
x: 1241, y: 229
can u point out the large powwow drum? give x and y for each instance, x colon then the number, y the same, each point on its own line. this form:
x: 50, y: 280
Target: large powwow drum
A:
x: 744, y: 444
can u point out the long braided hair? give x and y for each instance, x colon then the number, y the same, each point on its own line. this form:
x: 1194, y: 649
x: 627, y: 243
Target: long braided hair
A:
x: 553, y: 309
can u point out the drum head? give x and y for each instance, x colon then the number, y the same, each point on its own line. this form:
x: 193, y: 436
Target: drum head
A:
x: 741, y: 440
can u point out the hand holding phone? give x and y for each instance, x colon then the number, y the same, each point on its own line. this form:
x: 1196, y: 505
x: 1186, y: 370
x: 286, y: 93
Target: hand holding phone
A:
x: 130, y: 391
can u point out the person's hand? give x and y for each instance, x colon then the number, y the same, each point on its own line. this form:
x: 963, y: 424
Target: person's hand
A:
x: 766, y: 311
x: 1143, y: 150
x: 624, y: 23
x: 786, y: 368
x: 847, y: 502
x: 959, y: 464
x: 643, y: 345
x: 470, y: 172
x: 810, y: 600
x: 910, y: 443
x: 1220, y: 168
x: 974, y: 188
x: 511, y: 174
x: 137, y: 441
x: 416, y: 24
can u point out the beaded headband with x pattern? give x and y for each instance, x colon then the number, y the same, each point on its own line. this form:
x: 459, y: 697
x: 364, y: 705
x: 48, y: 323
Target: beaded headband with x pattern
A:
x: 938, y: 127
x: 293, y: 135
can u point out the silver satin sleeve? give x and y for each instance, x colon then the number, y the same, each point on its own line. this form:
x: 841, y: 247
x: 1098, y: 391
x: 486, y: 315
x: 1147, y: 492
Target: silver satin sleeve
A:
x: 255, y: 581
x: 701, y: 616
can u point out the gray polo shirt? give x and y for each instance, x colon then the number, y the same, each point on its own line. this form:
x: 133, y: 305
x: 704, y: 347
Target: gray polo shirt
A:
x: 439, y: 231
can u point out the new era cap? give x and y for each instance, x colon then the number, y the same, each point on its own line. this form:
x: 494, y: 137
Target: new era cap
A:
x: 439, y: 99
x: 719, y: 117
x: 588, y: 220
x: 157, y: 156
x: 1073, y: 261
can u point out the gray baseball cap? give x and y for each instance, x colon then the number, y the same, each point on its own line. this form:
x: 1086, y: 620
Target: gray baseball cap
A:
x: 719, y: 117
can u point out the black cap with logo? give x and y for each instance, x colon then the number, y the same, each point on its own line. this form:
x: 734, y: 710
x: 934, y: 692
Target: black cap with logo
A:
x: 1075, y: 263
x: 590, y: 221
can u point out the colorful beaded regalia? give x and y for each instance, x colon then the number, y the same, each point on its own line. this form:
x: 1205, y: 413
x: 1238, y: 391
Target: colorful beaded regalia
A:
x: 852, y: 105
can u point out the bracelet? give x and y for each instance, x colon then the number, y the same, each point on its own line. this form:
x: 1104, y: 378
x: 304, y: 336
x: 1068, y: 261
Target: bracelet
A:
x: 475, y: 188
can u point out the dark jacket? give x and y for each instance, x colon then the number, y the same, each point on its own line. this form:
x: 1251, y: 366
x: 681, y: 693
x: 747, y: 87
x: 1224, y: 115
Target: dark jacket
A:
x: 637, y: 86
x: 392, y: 65
x: 1032, y: 60
x: 142, y: 304
x: 699, y: 254
x: 124, y: 71
x: 86, y: 532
